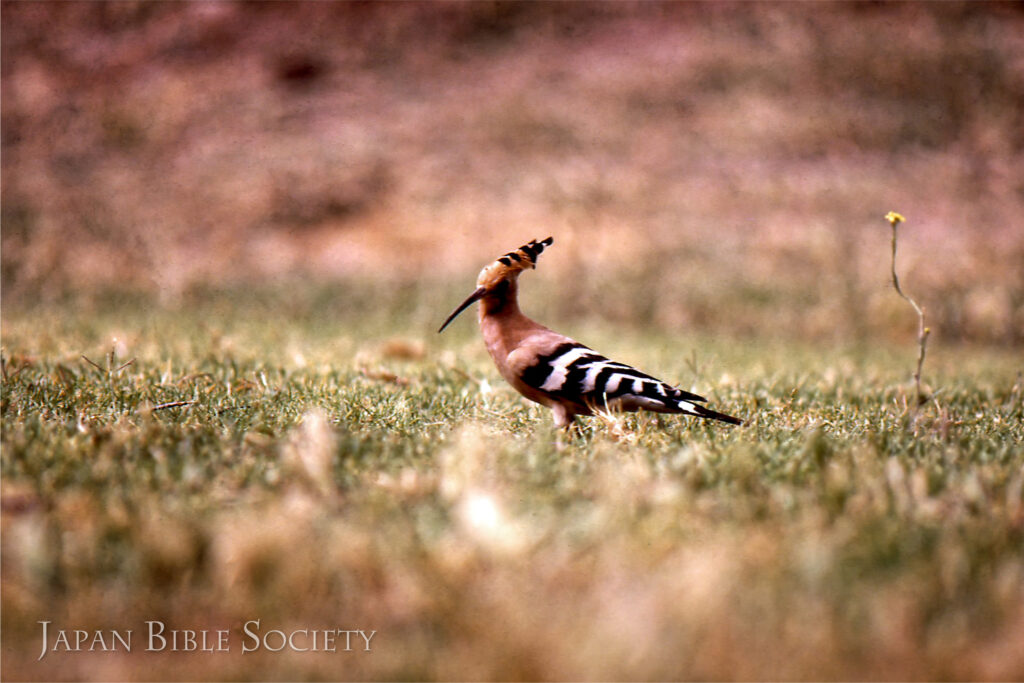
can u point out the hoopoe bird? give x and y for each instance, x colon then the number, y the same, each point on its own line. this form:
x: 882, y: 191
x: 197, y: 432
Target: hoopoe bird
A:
x: 554, y: 370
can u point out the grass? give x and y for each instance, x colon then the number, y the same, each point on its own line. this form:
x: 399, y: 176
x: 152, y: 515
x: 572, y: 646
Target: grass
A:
x: 344, y: 467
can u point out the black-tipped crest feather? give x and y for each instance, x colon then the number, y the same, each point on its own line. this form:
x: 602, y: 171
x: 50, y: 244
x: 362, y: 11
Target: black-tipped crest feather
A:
x: 531, y: 250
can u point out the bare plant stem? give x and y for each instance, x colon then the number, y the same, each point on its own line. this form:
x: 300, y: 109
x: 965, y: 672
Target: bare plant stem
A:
x: 172, y: 404
x: 922, y: 331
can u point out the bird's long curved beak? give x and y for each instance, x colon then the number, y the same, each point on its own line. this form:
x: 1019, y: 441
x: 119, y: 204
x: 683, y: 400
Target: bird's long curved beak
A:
x: 473, y: 298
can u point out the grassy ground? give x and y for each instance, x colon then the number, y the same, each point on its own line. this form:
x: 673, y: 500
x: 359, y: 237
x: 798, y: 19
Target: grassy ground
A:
x: 344, y: 467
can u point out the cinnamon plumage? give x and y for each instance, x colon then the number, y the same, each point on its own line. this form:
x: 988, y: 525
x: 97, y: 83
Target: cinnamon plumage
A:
x: 557, y: 371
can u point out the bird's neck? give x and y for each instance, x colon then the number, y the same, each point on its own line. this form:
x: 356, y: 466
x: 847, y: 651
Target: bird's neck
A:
x: 502, y: 301
x: 502, y: 323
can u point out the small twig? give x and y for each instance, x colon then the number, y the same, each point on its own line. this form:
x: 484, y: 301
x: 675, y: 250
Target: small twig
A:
x: 172, y: 404
x: 922, y: 331
x: 111, y: 359
x: 124, y: 365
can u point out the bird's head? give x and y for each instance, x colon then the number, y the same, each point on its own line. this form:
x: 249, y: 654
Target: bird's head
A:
x: 506, y: 268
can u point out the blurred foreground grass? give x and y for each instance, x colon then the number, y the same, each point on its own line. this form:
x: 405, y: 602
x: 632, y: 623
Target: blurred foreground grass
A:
x: 335, y: 464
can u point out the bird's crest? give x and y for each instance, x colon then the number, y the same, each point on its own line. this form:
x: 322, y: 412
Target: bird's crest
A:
x: 497, y: 275
x: 525, y: 256
x: 511, y: 264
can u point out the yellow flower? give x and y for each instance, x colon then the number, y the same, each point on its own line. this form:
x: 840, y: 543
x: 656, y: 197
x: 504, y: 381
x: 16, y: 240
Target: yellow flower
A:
x: 894, y: 218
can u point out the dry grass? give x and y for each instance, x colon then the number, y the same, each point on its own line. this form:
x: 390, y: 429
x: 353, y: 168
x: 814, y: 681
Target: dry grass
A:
x: 327, y: 474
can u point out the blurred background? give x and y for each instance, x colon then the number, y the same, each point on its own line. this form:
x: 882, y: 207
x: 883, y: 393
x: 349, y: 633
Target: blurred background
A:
x: 722, y: 166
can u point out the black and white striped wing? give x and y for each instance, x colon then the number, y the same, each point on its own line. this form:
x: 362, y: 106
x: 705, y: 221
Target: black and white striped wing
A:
x: 579, y: 374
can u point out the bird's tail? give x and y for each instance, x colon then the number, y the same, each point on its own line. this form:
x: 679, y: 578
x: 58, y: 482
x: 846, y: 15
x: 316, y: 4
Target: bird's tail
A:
x: 700, y: 411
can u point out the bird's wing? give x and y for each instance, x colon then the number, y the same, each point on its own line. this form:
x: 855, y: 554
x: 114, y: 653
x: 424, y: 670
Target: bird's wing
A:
x: 571, y: 371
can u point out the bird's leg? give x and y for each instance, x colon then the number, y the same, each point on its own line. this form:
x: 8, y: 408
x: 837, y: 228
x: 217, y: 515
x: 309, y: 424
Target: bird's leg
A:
x: 563, y: 417
x: 565, y: 420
